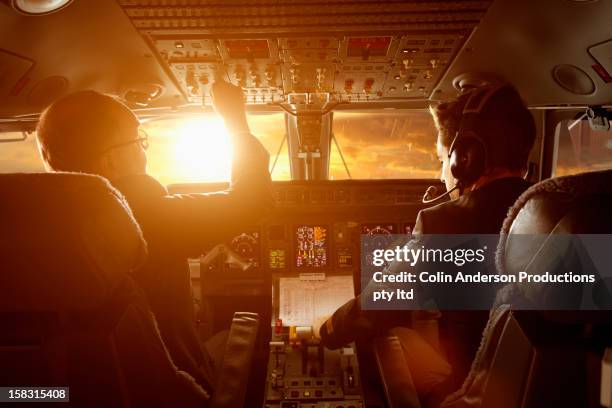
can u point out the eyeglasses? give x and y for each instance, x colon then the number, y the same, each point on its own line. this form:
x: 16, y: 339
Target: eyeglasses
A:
x: 143, y: 139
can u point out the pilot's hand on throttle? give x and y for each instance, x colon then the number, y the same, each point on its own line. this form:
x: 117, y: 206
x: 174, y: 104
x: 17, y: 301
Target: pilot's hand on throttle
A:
x: 317, y: 323
x: 228, y: 101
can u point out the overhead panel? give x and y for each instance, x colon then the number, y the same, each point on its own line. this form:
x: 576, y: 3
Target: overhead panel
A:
x: 354, y: 50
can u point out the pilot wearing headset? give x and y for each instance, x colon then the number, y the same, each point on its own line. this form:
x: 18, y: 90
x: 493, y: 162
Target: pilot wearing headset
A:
x: 484, y: 140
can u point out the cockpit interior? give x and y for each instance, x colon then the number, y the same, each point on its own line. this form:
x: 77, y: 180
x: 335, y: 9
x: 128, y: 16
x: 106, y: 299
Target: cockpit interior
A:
x: 340, y: 94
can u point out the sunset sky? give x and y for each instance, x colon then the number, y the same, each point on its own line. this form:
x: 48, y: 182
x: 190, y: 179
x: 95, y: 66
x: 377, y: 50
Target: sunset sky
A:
x: 375, y: 145
x: 196, y: 149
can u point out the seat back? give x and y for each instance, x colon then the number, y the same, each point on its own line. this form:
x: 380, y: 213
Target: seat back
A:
x: 544, y: 357
x: 70, y: 312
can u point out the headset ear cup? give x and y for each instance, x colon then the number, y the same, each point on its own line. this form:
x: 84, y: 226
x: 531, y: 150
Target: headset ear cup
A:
x: 468, y: 160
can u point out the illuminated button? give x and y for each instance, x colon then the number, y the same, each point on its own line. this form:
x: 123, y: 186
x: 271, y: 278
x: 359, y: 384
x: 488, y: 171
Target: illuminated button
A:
x: 307, y: 394
x: 179, y: 44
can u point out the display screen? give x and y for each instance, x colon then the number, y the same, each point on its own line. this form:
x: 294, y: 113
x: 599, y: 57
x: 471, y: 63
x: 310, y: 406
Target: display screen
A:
x: 277, y: 259
x: 374, y: 46
x: 381, y: 228
x: 381, y: 233
x: 311, y: 246
x: 345, y: 257
x: 247, y: 245
x: 246, y: 49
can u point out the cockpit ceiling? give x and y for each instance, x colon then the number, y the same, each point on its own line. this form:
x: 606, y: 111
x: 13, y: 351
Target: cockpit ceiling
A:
x: 167, y: 53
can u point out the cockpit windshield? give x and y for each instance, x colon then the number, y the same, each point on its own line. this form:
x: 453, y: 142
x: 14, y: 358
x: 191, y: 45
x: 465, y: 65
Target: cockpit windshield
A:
x: 368, y: 145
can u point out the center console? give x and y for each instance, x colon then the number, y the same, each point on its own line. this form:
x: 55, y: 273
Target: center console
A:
x: 301, y: 372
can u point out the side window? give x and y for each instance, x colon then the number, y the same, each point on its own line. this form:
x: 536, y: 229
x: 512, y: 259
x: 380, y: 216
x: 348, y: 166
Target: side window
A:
x: 22, y: 156
x: 581, y: 149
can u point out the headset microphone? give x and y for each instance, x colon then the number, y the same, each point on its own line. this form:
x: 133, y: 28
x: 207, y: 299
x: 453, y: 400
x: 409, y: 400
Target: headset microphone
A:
x: 431, y: 191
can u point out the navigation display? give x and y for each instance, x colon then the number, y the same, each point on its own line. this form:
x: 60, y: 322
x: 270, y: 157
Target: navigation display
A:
x: 247, y: 245
x: 381, y: 228
x: 311, y: 246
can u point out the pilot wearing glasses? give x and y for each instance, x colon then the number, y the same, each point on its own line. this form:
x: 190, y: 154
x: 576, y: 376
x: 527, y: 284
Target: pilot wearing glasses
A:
x: 93, y: 133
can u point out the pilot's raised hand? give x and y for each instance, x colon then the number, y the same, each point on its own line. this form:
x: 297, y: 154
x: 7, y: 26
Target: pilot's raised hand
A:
x: 228, y: 101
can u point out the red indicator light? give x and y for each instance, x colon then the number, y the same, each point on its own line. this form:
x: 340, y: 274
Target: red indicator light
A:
x: 373, y: 46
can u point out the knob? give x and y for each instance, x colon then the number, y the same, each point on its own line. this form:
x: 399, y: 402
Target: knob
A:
x: 348, y: 85
x: 270, y: 76
x: 295, y: 75
x: 191, y: 81
x: 408, y: 85
x: 239, y: 75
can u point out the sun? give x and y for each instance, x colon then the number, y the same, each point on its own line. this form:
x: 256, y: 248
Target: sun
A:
x: 202, y: 150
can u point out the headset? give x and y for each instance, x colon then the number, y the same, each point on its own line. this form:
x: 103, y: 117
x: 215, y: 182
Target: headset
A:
x: 468, y: 152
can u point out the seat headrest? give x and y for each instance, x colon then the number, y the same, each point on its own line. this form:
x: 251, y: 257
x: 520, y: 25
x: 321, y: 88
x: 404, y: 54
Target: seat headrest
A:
x: 67, y: 241
x: 572, y: 205
x: 565, y: 190
x: 533, y: 232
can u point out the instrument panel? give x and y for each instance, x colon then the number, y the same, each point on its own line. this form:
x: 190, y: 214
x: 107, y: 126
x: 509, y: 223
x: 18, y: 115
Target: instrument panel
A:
x: 316, y: 226
x: 352, y: 51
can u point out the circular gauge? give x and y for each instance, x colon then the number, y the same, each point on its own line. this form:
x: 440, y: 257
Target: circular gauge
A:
x: 378, y: 230
x: 379, y: 235
x: 244, y: 245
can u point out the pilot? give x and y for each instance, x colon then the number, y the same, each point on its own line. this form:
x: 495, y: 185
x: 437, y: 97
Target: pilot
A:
x: 484, y: 140
x: 93, y: 133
